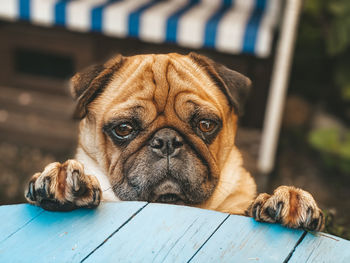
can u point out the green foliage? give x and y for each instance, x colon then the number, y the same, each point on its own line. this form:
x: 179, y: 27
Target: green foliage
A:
x: 342, y: 76
x: 322, y: 73
x: 336, y: 225
x: 334, y: 146
x: 328, y: 22
x: 333, y: 17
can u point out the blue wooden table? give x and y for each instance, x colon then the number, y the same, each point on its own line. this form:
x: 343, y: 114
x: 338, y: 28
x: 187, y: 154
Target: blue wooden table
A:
x: 142, y: 232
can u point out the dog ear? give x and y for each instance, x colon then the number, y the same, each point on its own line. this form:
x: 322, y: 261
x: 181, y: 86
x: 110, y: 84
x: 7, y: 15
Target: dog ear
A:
x: 88, y: 84
x: 234, y: 85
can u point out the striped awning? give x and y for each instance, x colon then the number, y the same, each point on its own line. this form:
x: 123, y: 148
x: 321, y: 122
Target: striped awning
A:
x: 232, y: 26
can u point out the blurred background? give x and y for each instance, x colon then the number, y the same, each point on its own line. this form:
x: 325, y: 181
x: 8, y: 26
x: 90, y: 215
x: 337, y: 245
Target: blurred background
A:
x: 42, y: 46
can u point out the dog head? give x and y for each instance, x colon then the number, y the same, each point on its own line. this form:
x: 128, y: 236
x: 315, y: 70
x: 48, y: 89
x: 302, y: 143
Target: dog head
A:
x: 160, y: 126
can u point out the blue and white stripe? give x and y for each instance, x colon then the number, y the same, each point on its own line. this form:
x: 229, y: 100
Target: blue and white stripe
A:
x: 232, y: 26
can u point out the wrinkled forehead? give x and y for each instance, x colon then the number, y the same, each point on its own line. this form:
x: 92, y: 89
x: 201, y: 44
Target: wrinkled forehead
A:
x: 160, y: 84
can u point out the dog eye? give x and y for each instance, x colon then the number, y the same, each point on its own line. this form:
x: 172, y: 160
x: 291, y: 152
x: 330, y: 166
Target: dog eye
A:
x: 206, y: 125
x: 123, y: 130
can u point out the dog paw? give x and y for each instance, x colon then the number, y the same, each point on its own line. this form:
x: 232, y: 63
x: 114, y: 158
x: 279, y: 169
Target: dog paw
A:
x: 63, y: 187
x: 289, y: 206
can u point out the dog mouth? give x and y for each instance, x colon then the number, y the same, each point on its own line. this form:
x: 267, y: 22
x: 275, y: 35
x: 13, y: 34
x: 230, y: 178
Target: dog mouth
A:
x: 169, y: 198
x: 168, y: 192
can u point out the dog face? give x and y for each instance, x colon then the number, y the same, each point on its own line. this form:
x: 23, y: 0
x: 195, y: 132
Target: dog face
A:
x: 160, y: 126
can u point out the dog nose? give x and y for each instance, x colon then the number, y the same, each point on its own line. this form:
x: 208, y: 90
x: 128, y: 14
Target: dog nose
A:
x: 166, y: 141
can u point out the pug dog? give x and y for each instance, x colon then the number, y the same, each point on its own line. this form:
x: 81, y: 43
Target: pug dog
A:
x: 161, y: 128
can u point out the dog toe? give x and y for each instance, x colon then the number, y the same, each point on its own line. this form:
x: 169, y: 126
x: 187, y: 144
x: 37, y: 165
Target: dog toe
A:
x: 42, y: 188
x: 314, y: 221
x: 256, y: 211
x: 274, y: 211
x: 30, y: 192
x: 75, y: 179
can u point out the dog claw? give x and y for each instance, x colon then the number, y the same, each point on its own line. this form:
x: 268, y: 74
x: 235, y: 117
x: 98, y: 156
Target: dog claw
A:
x: 312, y: 223
x: 47, y: 182
x: 256, y: 211
x: 75, y: 178
x: 309, y: 214
x: 31, y: 194
x: 271, y: 212
x: 278, y: 211
x: 96, y: 197
x: 274, y: 212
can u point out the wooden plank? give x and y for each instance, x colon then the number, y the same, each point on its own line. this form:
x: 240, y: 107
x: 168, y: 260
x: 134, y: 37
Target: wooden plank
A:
x: 39, y: 126
x: 242, y: 239
x: 56, y: 146
x: 322, y: 247
x: 44, y: 104
x: 52, y: 40
x: 15, y: 217
x: 66, y: 236
x: 47, y: 118
x: 160, y: 233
